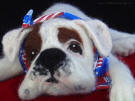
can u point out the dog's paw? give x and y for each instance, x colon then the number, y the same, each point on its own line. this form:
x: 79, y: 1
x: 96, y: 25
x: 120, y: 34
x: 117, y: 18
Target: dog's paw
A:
x: 122, y: 93
x: 124, y: 47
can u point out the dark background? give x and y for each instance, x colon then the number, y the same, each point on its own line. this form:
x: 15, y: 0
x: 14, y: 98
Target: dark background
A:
x: 118, y: 14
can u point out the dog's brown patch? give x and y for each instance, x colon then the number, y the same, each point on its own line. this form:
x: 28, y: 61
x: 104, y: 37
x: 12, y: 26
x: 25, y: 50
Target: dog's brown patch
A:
x: 33, y: 43
x: 66, y: 34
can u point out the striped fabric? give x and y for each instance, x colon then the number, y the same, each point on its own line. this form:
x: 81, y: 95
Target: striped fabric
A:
x: 47, y: 17
x: 28, y: 18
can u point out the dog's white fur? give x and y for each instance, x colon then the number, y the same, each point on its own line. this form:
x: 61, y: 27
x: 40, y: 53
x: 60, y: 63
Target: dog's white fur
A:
x: 105, y: 40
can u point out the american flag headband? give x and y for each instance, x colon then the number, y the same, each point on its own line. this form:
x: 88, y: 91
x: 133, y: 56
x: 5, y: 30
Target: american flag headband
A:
x: 101, y: 63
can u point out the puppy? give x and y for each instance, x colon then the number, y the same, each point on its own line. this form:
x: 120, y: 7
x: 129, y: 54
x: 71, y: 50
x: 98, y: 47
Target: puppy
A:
x: 61, y: 59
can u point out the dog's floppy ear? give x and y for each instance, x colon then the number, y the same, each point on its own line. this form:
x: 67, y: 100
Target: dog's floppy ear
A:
x: 99, y: 33
x: 11, y: 42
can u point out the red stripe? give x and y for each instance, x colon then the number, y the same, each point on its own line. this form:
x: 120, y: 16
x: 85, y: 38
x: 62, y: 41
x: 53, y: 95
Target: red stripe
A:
x: 40, y: 19
x: 25, y: 25
x: 27, y: 66
x: 98, y: 65
x: 100, y: 60
x: 100, y: 57
x: 94, y: 49
x: 49, y: 16
x: 24, y: 56
x: 102, y: 87
x: 59, y: 14
x: 24, y: 61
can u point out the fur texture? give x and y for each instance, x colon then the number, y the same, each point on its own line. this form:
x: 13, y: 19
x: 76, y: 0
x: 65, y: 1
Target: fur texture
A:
x: 74, y: 74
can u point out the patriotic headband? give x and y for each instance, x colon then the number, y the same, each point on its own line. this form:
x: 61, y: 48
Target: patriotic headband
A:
x: 101, y: 63
x: 27, y: 21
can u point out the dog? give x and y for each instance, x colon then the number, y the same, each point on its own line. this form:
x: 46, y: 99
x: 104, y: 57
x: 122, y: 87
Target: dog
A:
x: 61, y: 58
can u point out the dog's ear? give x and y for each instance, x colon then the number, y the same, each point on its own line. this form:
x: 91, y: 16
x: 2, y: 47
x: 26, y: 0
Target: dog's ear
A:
x: 11, y: 42
x: 99, y: 34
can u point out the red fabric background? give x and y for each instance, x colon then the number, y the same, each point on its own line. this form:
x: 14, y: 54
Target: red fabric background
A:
x: 8, y: 89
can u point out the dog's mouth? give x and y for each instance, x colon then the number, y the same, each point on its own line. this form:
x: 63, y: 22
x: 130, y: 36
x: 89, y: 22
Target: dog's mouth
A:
x: 42, y: 71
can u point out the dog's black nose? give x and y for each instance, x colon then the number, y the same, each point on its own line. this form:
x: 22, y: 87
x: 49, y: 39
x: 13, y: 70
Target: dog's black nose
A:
x: 51, y: 59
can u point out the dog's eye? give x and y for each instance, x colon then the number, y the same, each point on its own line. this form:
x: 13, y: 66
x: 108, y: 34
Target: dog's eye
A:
x: 75, y: 47
x: 34, y: 52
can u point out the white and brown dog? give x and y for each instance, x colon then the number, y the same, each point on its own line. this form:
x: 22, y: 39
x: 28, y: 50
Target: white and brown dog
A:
x: 61, y: 58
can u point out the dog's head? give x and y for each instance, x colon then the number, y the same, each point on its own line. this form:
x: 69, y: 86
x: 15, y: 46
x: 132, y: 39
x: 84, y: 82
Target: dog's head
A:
x: 60, y: 55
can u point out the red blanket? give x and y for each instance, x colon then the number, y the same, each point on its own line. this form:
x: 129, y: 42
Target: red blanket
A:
x: 9, y: 89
